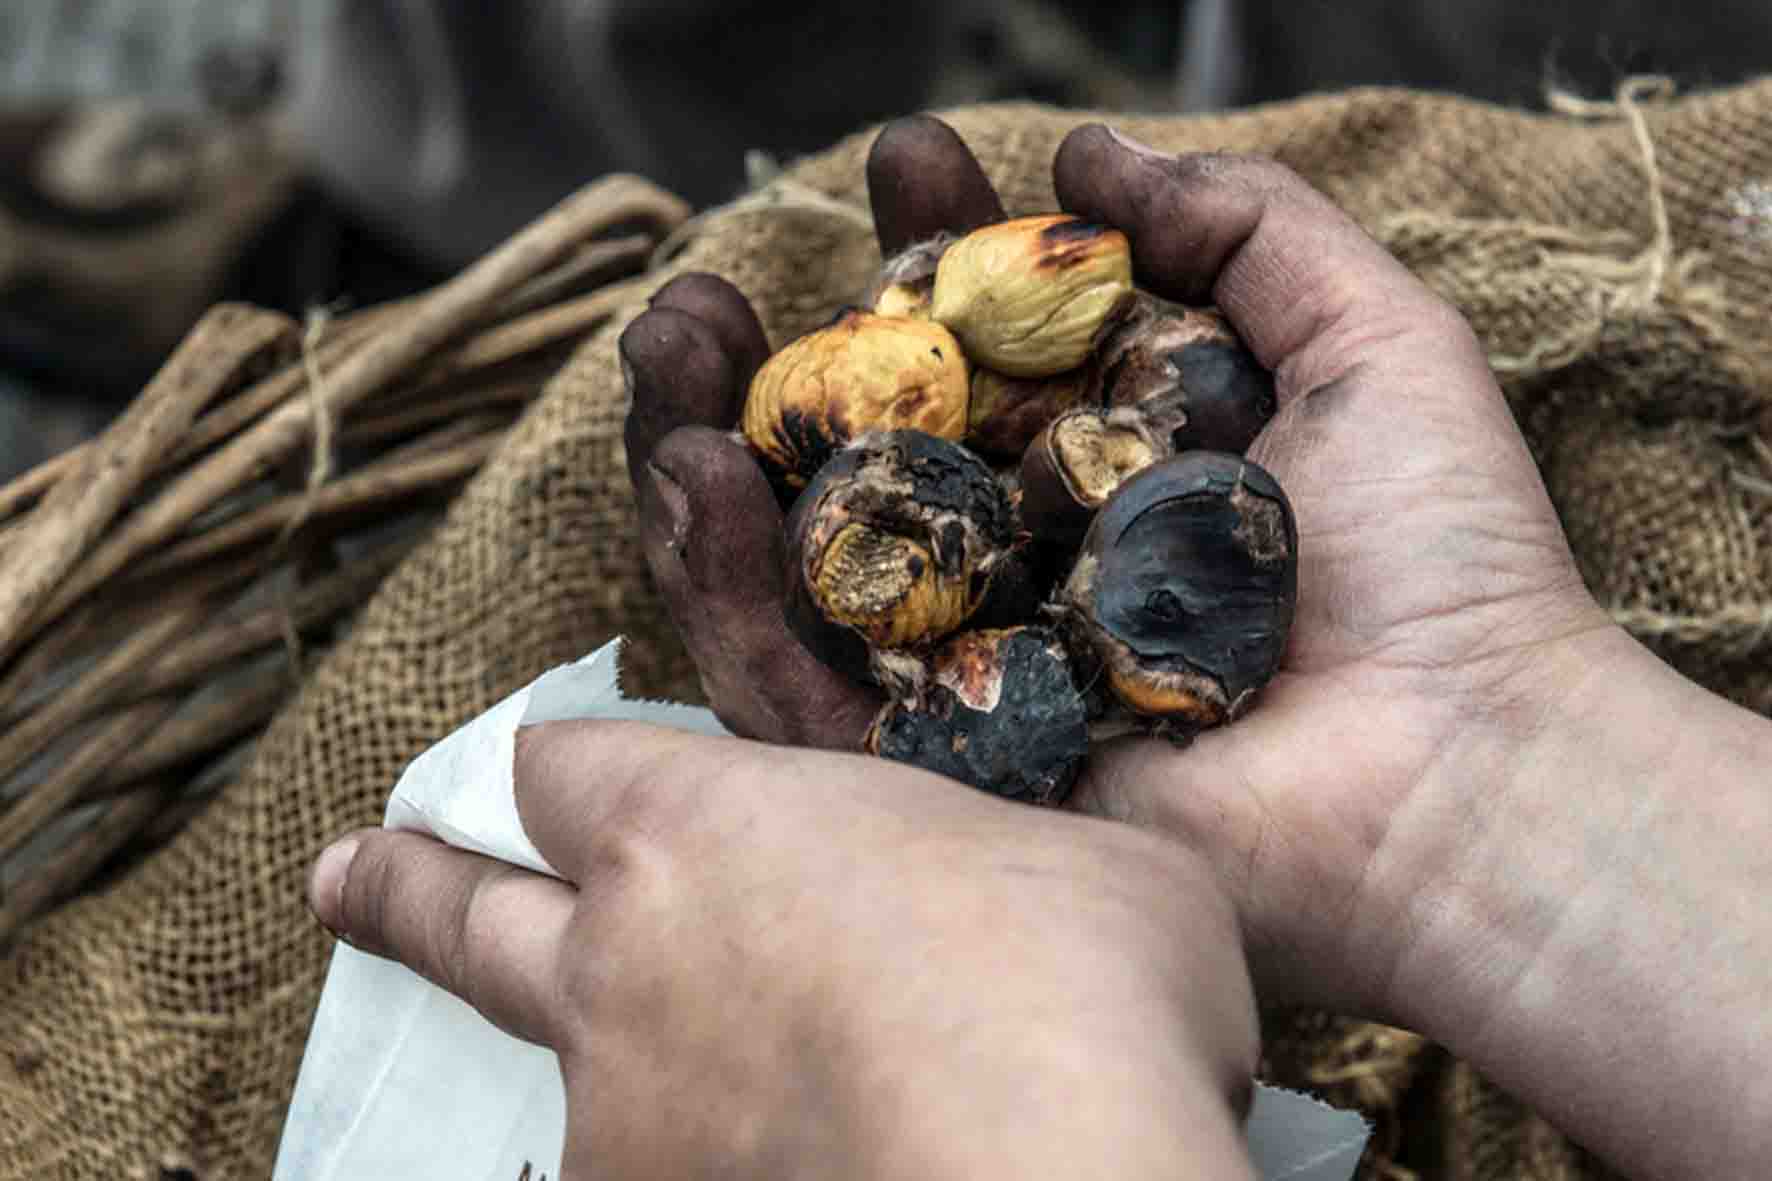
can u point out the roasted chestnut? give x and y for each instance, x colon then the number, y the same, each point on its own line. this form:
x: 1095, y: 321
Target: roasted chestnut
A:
x: 1006, y: 414
x: 894, y: 544
x: 1189, y: 376
x: 1184, y: 590
x: 1032, y: 297
x: 860, y: 373
x: 999, y: 710
x: 1076, y: 464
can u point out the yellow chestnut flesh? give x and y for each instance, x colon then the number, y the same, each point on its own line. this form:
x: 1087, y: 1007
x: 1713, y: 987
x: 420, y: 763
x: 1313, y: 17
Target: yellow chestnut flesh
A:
x: 1031, y: 297
x: 862, y: 373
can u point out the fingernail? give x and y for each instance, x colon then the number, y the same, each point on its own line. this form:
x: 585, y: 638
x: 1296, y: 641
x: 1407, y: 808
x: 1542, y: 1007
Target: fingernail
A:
x: 326, y: 882
x: 1136, y: 146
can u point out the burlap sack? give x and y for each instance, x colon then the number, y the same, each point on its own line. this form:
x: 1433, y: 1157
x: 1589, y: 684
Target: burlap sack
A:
x: 1615, y: 261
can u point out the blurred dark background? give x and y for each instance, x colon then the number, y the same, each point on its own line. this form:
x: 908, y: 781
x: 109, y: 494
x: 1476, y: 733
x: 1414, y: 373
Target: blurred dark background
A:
x: 156, y: 155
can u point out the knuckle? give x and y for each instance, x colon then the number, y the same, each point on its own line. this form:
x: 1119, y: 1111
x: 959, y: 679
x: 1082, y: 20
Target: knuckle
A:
x: 467, y: 934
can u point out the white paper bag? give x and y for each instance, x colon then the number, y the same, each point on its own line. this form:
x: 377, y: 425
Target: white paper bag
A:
x: 400, y: 1079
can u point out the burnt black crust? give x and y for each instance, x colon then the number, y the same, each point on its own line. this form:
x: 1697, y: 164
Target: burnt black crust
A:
x: 1030, y: 747
x: 809, y: 439
x: 1180, y: 581
x: 1021, y: 586
x: 945, y: 478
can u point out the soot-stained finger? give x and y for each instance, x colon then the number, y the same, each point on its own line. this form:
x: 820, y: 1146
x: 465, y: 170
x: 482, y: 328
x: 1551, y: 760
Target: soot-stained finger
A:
x: 723, y: 308
x: 712, y: 533
x: 678, y: 374
x: 923, y: 180
x: 1283, y: 262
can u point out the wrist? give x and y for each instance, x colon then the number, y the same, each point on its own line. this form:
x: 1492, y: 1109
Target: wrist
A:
x: 1586, y: 921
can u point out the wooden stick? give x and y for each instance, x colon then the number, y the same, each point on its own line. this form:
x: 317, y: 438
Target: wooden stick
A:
x: 377, y: 484
x: 234, y: 415
x: 227, y: 641
x: 22, y: 490
x: 591, y: 265
x: 438, y: 317
x: 550, y: 326
x: 69, y: 868
x: 93, y: 754
x: 100, y: 686
x: 397, y: 421
x: 83, y: 503
x: 221, y: 421
x: 611, y: 257
x: 109, y: 619
x: 194, y: 733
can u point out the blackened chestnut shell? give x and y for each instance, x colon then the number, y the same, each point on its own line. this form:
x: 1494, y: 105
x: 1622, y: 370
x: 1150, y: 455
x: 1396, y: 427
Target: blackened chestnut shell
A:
x: 1028, y: 745
x: 1192, y: 378
x: 1187, y: 583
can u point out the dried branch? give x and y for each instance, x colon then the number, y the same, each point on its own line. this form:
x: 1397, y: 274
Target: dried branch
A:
x: 75, y: 512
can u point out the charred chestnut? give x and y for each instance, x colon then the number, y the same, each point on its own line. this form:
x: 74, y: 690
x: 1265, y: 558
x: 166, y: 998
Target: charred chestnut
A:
x: 1189, y: 375
x: 860, y: 373
x: 1000, y: 711
x: 1185, y: 587
x: 894, y: 544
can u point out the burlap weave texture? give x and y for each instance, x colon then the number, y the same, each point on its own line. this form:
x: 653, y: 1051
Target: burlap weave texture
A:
x: 1616, y: 262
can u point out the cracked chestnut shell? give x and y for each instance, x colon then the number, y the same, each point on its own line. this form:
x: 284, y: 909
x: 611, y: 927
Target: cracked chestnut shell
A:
x: 1188, y: 375
x: 1033, y: 296
x: 860, y: 373
x: 999, y: 710
x: 894, y: 544
x: 1185, y: 588
x: 1076, y: 464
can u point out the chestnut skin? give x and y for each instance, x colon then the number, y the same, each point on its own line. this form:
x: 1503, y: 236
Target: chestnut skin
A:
x: 1183, y: 594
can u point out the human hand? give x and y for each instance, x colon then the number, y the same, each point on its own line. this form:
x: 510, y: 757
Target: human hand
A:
x: 1465, y: 804
x: 1432, y: 568
x: 768, y: 962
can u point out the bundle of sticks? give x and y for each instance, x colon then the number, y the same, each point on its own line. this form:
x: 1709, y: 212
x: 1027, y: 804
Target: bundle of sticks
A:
x: 164, y: 586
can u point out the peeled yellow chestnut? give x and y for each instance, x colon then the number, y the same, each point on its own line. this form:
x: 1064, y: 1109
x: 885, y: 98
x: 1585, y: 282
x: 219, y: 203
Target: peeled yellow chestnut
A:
x: 1032, y: 297
x: 1075, y: 465
x: 894, y: 544
x: 861, y: 373
x: 1189, y: 374
x: 1183, y: 593
x: 999, y: 710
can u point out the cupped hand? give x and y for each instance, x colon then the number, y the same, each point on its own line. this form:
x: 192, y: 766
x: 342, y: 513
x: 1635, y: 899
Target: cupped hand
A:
x: 767, y: 962
x: 1437, y: 594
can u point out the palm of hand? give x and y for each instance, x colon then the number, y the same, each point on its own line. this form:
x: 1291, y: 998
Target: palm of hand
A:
x: 1432, y: 566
